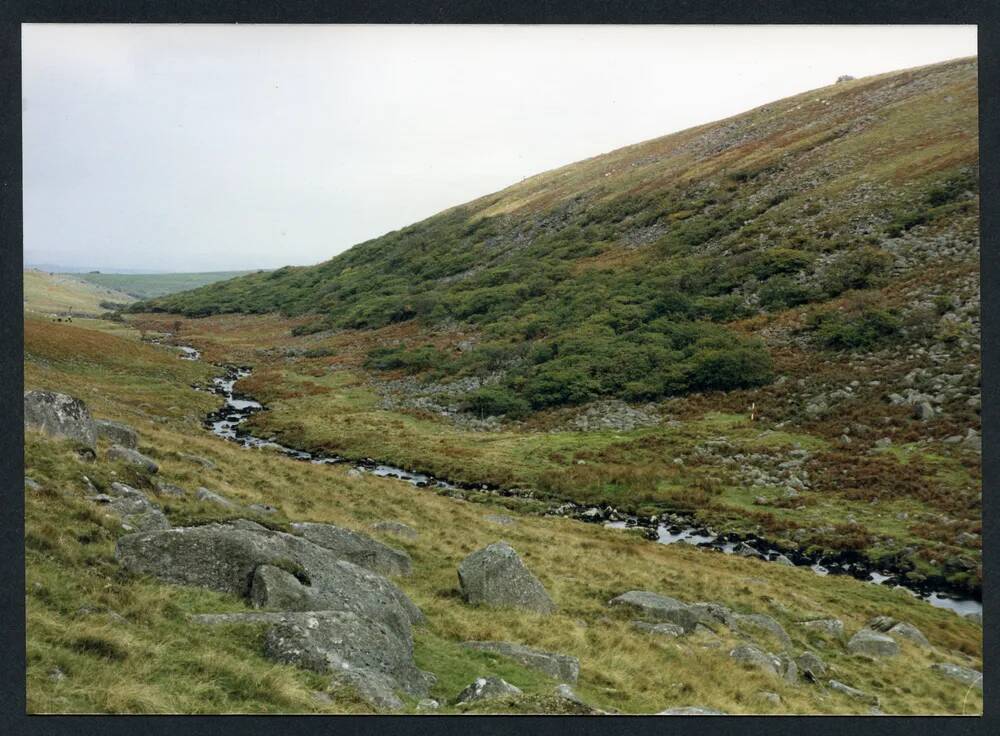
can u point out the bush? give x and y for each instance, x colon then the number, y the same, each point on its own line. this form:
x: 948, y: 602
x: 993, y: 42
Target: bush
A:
x: 493, y: 401
x: 728, y: 368
x: 782, y: 292
x: 863, y: 268
x: 867, y: 329
x: 774, y: 261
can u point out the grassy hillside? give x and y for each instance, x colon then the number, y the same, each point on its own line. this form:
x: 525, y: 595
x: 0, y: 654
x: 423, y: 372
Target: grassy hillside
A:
x: 149, y: 285
x: 633, y: 274
x: 65, y: 295
x: 102, y: 640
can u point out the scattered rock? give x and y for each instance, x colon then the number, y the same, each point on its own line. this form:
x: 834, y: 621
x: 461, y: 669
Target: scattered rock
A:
x: 496, y: 576
x: 136, y: 511
x: 659, y: 608
x: 755, y: 657
x: 782, y: 560
x: 56, y: 674
x: 565, y: 692
x: 975, y: 617
x: 811, y: 666
x: 168, y: 489
x: 669, y: 630
x: 769, y: 698
x: 396, y: 527
x: 691, y: 710
x: 31, y: 485
x: 487, y: 688
x: 882, y: 623
x: 962, y: 674
x: 871, y: 643
x: 911, y: 633
x: 854, y: 693
x: 117, y: 433
x: 761, y: 622
x: 132, y: 457
x: 357, y: 548
x: 207, y: 496
x: 745, y: 550
x: 559, y: 666
x: 354, y: 473
x: 923, y: 411
x: 59, y: 415
x: 830, y: 626
x: 225, y: 558
x: 374, y: 658
x: 428, y: 704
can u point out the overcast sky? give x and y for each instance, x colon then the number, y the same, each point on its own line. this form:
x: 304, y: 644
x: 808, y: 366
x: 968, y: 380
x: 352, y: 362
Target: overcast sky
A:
x: 190, y: 148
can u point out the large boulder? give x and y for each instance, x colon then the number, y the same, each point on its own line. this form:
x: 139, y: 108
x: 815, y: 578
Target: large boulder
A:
x: 811, y: 666
x: 59, y: 415
x: 132, y: 457
x: 560, y: 666
x: 495, y: 576
x: 372, y: 657
x: 117, y: 433
x: 962, y: 674
x: 357, y: 548
x: 659, y: 608
x: 871, y: 643
x: 226, y: 558
x: 487, y: 688
x: 828, y: 626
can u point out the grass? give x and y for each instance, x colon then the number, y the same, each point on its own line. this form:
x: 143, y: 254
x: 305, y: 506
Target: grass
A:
x: 150, y: 285
x: 60, y: 294
x: 155, y: 661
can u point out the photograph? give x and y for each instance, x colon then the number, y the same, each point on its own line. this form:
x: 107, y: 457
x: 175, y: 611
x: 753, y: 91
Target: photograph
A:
x: 501, y: 369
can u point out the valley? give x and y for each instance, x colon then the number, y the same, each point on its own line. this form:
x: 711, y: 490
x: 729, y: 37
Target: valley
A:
x: 756, y: 342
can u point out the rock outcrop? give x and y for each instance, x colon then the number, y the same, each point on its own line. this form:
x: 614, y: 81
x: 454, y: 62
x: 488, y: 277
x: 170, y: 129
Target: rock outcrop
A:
x: 59, y: 415
x: 226, y: 558
x: 137, y: 512
x: 495, y: 576
x: 357, y: 548
x: 559, y: 666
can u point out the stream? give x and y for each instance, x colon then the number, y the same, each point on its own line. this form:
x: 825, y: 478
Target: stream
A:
x: 227, y: 421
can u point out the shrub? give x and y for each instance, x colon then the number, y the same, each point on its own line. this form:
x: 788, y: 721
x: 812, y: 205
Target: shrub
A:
x: 744, y: 366
x: 782, y: 292
x: 866, y: 329
x: 774, y: 261
x: 862, y: 268
x: 492, y: 401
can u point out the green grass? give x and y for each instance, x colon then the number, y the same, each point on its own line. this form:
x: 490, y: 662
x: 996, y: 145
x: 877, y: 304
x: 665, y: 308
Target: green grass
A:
x: 151, y: 285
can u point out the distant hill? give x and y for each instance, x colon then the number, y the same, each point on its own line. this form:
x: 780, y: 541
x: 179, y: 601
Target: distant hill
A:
x: 150, y: 285
x: 66, y: 295
x: 633, y: 274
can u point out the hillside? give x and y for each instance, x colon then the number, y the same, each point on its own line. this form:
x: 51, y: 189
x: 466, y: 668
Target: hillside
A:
x: 68, y: 296
x: 628, y: 275
x: 720, y: 392
x: 149, y: 285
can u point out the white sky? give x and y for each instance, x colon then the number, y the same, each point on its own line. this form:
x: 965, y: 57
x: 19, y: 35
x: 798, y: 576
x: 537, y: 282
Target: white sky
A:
x: 192, y: 148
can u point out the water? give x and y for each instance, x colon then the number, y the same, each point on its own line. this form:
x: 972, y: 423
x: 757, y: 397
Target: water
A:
x: 226, y: 421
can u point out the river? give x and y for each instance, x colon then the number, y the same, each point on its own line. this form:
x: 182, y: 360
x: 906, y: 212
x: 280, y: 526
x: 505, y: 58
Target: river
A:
x: 227, y: 423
